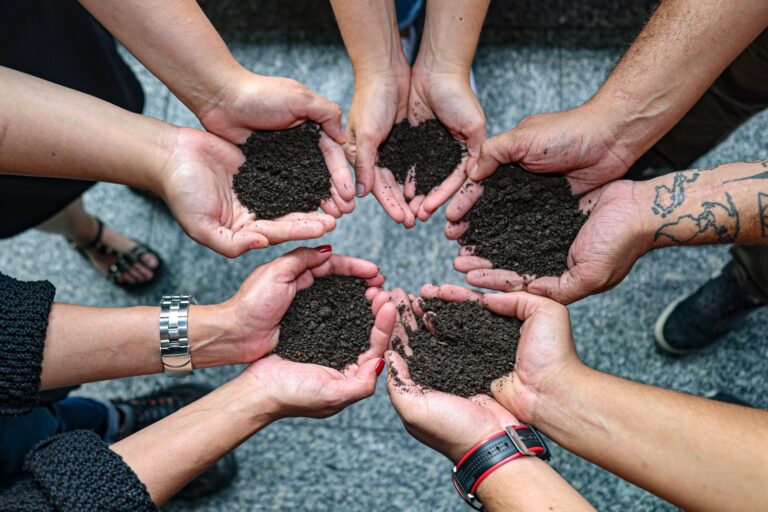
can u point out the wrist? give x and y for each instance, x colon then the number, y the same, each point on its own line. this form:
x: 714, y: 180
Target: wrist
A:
x: 248, y: 400
x: 630, y: 130
x: 213, y: 339
x: 647, y: 223
x: 532, y: 402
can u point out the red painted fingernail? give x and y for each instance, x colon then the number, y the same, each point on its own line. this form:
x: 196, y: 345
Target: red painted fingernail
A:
x: 379, y: 367
x: 324, y: 248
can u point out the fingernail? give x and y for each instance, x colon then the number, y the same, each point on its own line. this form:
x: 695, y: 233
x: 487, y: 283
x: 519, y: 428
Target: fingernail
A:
x: 324, y: 248
x: 473, y: 171
x: 360, y: 188
x: 379, y: 367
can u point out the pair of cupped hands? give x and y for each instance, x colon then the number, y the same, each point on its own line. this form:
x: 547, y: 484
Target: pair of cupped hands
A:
x: 445, y: 422
x: 196, y: 182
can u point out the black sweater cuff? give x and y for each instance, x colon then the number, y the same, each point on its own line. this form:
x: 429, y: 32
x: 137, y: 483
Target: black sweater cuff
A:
x: 78, y: 472
x: 24, y: 310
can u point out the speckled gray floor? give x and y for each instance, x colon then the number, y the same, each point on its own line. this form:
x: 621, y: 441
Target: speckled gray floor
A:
x: 363, y: 459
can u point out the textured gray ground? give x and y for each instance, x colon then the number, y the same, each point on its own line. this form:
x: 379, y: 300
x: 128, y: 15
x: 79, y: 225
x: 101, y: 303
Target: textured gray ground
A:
x: 532, y: 60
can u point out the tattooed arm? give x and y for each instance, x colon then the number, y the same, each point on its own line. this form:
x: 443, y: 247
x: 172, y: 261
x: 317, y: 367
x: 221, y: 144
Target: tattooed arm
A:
x: 719, y: 205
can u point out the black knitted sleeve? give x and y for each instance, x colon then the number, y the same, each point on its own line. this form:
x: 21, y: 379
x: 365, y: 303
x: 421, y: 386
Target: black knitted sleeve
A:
x: 77, y: 471
x: 24, y: 309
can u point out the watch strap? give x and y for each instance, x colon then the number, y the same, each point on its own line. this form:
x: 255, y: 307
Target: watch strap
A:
x: 174, y: 335
x: 479, y: 462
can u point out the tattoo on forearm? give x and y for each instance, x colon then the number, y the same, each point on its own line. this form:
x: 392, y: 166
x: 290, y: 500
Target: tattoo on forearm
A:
x: 668, y: 199
x: 720, y: 219
x: 759, y: 176
x: 762, y: 208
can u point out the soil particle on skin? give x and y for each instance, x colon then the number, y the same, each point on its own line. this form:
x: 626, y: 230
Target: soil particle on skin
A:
x: 427, y: 147
x: 470, y: 348
x: 284, y: 172
x: 327, y: 324
x: 524, y: 222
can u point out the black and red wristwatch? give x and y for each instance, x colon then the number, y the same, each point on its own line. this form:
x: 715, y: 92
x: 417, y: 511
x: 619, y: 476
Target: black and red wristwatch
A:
x: 487, y: 456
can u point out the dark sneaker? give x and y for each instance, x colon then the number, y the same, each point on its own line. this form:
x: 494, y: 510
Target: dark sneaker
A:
x: 696, y: 321
x: 141, y: 412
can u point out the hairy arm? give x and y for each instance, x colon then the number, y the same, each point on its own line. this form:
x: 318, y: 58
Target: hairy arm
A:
x: 684, y: 47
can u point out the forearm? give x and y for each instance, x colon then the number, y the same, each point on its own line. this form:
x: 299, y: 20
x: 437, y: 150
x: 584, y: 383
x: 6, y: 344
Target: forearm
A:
x: 451, y: 31
x: 49, y: 130
x: 170, y: 453
x: 176, y: 41
x: 528, y: 483
x: 697, y: 453
x: 86, y: 344
x: 725, y: 204
x: 371, y: 37
x: 678, y: 55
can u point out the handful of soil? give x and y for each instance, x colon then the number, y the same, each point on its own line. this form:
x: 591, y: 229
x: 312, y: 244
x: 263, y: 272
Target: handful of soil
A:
x: 524, y: 222
x: 284, y: 172
x: 327, y: 324
x: 428, y: 147
x: 467, y: 349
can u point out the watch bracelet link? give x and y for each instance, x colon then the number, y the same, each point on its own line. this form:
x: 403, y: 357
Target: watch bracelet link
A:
x: 175, y: 352
x: 487, y: 456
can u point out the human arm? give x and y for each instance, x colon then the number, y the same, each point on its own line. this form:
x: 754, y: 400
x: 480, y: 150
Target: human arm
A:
x: 380, y: 99
x: 440, y: 87
x: 190, y: 169
x: 669, y: 443
x: 678, y: 55
x: 723, y: 204
x: 121, y: 342
x: 453, y: 425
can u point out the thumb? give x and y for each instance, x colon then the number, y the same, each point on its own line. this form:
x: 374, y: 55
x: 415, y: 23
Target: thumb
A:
x: 495, y: 151
x: 365, y: 161
x: 293, y: 264
x: 227, y: 242
x: 564, y: 289
x: 327, y: 114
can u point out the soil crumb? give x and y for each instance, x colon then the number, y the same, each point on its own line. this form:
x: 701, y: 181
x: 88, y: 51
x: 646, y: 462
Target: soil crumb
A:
x: 524, y: 222
x: 284, y: 172
x: 428, y: 147
x: 470, y: 348
x: 327, y: 324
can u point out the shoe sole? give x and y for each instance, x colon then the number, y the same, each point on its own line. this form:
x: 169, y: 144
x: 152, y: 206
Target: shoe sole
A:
x: 658, y: 330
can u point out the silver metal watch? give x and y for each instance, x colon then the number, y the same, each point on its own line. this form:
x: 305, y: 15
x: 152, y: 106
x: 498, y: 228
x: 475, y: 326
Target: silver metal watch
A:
x: 174, y: 340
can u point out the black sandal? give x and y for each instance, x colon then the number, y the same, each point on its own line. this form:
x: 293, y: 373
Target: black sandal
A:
x: 124, y: 260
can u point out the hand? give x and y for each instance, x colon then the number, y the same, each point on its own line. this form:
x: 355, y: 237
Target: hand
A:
x: 197, y: 187
x: 447, y: 423
x: 583, y: 144
x: 256, y: 310
x: 253, y: 102
x: 602, y: 254
x: 379, y: 101
x: 300, y: 389
x: 448, y: 98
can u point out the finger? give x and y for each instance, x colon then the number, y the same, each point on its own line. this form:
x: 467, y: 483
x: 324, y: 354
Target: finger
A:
x: 378, y: 300
x: 463, y: 200
x: 469, y: 263
x: 409, y: 187
x: 366, y: 154
x: 293, y: 264
x: 231, y: 243
x: 346, y: 266
x: 305, y: 280
x: 496, y: 151
x: 376, y: 281
x: 398, y: 376
x: 390, y: 196
x: 415, y: 205
x: 336, y: 161
x: 381, y: 333
x: 343, y: 205
x: 564, y: 289
x: 521, y: 305
x: 454, y: 293
x: 329, y: 206
x: 327, y: 220
x: 403, y: 303
x: 358, y: 385
x: 497, y: 279
x: 279, y: 231
x: 327, y: 114
x: 467, y: 250
x: 437, y: 197
x: 455, y: 230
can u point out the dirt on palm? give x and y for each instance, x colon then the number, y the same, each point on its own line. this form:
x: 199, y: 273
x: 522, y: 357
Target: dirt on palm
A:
x: 428, y: 147
x: 327, y: 324
x: 467, y: 349
x: 284, y: 172
x: 524, y: 222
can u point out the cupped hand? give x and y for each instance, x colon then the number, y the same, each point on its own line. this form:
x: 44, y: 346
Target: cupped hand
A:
x: 258, y: 307
x: 380, y: 100
x: 604, y: 251
x: 448, y: 98
x: 197, y: 187
x: 301, y: 389
x: 579, y: 143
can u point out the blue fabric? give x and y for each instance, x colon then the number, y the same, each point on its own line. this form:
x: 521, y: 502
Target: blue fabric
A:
x: 19, y: 434
x: 407, y: 12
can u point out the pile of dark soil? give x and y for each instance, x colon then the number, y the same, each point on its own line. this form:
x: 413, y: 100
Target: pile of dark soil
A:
x: 524, y: 222
x: 428, y: 146
x: 284, y: 172
x: 327, y: 324
x: 470, y: 348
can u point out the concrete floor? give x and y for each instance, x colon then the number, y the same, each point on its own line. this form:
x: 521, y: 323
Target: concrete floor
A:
x: 363, y: 459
